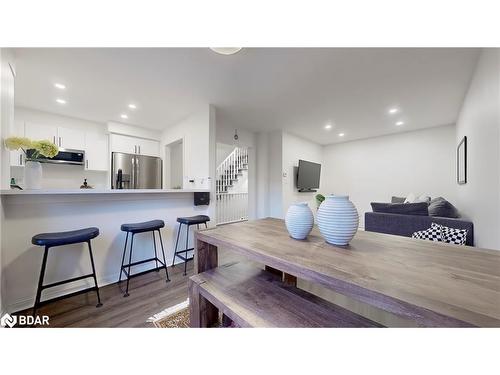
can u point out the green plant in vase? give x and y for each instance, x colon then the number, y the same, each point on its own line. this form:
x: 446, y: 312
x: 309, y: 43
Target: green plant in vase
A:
x: 319, y: 199
x: 32, y: 169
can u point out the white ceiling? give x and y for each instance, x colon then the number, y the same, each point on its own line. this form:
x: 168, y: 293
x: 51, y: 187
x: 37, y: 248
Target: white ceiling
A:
x: 298, y: 90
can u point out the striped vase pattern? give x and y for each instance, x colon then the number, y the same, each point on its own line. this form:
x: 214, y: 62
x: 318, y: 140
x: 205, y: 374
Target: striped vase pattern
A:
x: 299, y: 220
x: 338, y: 219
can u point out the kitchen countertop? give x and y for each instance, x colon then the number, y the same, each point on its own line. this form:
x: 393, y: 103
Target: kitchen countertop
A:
x: 98, y: 191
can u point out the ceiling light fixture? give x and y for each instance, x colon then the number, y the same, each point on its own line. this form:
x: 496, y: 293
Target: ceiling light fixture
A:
x: 341, y: 134
x: 132, y: 106
x: 399, y: 123
x: 393, y: 111
x: 61, y: 101
x: 60, y: 86
x: 328, y: 126
x: 124, y: 116
x: 226, y: 50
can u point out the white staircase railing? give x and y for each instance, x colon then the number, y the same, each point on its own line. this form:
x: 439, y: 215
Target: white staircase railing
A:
x: 231, y: 207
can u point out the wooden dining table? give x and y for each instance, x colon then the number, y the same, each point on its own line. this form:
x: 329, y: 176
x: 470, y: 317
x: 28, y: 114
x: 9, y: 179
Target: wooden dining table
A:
x: 432, y: 284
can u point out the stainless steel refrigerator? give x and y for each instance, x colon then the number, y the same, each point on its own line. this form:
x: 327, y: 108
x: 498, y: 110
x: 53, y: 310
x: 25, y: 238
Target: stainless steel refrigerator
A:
x: 129, y: 171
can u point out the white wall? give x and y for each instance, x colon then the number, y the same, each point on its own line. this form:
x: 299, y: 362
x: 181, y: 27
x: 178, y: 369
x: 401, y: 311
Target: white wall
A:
x: 194, y: 131
x: 372, y: 170
x: 295, y: 148
x: 60, y: 176
x: 275, y: 169
x: 6, y: 128
x: 479, y: 120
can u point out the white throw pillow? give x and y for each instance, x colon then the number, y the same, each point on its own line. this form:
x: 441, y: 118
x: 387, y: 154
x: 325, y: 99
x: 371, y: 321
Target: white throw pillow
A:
x: 410, y: 198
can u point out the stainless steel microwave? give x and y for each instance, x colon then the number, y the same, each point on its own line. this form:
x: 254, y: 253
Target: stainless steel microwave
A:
x: 65, y: 156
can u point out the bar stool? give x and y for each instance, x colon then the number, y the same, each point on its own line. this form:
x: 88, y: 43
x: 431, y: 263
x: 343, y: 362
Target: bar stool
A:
x: 188, y: 221
x: 135, y: 228
x: 59, y: 239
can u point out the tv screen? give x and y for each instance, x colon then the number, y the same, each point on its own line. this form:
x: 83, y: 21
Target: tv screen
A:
x: 308, y: 175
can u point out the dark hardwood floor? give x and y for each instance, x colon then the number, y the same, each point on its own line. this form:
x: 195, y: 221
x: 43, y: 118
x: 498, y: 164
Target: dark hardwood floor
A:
x: 149, y: 295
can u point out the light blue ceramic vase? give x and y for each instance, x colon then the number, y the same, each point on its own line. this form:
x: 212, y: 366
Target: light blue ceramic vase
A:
x: 299, y: 220
x: 338, y: 219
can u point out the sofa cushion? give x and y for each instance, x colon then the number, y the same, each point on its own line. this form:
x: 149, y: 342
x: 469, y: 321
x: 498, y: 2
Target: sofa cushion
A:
x: 431, y: 234
x: 442, y: 208
x: 420, y: 208
x: 451, y: 235
x: 398, y: 199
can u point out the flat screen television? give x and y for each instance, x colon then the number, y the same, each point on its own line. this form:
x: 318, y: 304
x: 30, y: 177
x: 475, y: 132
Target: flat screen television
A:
x: 308, y: 176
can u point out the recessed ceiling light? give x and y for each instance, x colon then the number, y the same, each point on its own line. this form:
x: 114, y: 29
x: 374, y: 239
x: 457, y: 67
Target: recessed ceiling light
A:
x: 226, y: 50
x: 61, y: 101
x: 341, y: 134
x: 132, y: 106
x: 399, y: 123
x: 60, y: 86
x: 393, y: 111
x: 328, y: 126
x: 124, y: 116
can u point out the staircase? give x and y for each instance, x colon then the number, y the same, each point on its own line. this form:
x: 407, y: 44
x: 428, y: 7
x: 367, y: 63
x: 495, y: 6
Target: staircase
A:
x: 231, y: 206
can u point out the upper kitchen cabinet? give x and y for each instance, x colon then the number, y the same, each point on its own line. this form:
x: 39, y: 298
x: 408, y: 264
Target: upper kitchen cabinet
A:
x: 70, y: 138
x: 38, y: 132
x: 134, y: 145
x: 62, y: 137
x: 96, y: 152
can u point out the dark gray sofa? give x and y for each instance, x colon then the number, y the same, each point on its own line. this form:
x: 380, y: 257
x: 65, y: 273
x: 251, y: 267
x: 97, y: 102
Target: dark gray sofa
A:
x: 406, y: 225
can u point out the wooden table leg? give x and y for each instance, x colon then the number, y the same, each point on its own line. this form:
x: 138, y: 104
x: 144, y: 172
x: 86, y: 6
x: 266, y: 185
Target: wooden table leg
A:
x: 202, y: 312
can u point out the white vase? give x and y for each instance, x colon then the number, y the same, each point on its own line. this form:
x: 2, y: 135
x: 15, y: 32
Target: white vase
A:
x: 32, y: 175
x: 299, y: 220
x: 338, y: 219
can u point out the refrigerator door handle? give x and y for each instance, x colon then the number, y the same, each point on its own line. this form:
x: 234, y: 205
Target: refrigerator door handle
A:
x: 138, y: 170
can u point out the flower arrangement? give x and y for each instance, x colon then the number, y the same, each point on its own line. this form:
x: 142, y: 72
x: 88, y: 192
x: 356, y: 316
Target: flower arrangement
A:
x: 44, y: 147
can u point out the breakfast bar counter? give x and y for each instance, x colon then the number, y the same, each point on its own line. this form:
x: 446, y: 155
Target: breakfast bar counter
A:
x: 26, y: 213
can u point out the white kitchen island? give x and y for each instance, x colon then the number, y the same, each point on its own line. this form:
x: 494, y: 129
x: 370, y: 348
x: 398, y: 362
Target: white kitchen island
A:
x: 29, y: 212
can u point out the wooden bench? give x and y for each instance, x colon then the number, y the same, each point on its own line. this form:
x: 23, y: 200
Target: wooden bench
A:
x: 252, y: 297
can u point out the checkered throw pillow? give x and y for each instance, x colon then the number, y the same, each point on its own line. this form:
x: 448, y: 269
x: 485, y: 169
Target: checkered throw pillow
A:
x: 431, y: 234
x: 453, y: 235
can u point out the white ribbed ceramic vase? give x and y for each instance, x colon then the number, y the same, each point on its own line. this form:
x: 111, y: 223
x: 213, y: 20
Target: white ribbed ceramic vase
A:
x: 338, y: 219
x: 299, y: 220
x: 32, y: 175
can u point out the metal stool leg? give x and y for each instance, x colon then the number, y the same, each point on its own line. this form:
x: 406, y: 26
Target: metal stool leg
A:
x: 40, y: 281
x: 163, y: 252
x: 123, y: 258
x: 186, y: 253
x: 156, y: 256
x: 176, y: 243
x: 99, y: 304
x: 129, y: 262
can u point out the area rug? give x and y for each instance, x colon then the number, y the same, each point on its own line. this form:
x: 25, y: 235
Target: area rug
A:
x: 174, y: 317
x: 178, y: 317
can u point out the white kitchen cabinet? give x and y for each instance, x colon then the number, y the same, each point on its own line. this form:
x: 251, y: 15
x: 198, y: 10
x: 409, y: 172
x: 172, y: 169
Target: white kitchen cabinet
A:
x: 38, y: 132
x: 70, y: 138
x: 17, y: 158
x: 148, y: 147
x: 133, y: 145
x: 96, y: 152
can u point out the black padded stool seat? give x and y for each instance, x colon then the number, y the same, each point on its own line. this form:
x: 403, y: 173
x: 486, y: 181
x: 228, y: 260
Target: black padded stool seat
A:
x: 65, y: 238
x: 193, y: 220
x: 146, y: 226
